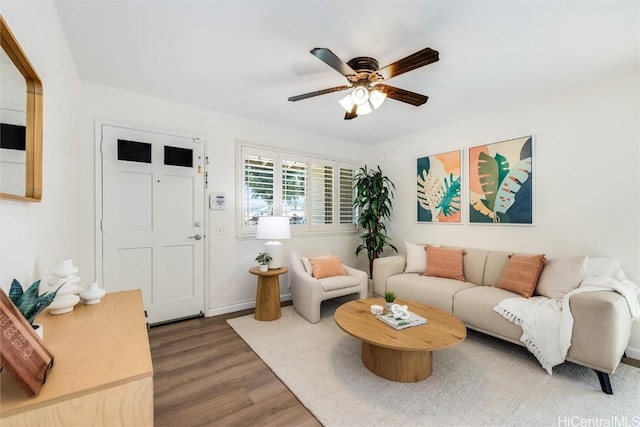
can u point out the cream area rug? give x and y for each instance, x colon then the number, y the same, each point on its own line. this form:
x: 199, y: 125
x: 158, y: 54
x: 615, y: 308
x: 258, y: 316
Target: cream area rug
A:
x: 482, y: 381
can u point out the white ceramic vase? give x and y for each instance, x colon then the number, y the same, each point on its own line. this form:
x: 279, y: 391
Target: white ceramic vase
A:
x: 65, y: 268
x: 63, y: 303
x: 264, y: 268
x: 64, y: 280
x: 93, y: 294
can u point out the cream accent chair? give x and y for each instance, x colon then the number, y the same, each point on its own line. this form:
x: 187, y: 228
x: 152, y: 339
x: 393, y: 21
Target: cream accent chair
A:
x: 308, y: 292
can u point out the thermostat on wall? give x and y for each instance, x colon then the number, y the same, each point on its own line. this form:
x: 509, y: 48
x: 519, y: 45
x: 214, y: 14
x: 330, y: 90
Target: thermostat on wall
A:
x: 217, y: 201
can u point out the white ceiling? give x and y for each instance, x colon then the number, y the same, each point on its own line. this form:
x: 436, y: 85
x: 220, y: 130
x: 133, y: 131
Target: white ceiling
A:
x: 246, y: 58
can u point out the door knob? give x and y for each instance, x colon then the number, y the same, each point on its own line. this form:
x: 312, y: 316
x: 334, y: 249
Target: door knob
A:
x: 197, y: 237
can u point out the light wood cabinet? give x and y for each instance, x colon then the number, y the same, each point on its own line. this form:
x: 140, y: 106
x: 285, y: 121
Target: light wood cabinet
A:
x: 102, y: 372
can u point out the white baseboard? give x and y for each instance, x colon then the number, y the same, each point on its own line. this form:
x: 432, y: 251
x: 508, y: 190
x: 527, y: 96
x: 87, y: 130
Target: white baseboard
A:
x: 231, y: 308
x: 633, y: 352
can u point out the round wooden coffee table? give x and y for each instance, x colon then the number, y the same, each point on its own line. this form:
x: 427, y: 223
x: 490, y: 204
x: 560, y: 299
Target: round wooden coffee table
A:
x: 400, y: 355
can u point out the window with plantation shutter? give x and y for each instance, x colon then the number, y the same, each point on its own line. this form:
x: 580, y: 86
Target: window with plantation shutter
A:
x: 315, y: 193
x: 345, y: 196
x: 321, y: 194
x: 258, y: 194
x: 294, y: 191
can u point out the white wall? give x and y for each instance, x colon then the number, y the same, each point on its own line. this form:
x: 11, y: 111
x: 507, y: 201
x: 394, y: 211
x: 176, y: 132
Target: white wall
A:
x: 231, y: 287
x: 587, y: 192
x: 35, y: 236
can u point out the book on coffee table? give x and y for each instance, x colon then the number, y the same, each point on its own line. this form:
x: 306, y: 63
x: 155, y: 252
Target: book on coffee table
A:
x: 413, y: 320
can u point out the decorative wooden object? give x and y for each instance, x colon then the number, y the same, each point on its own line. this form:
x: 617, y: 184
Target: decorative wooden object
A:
x: 103, y: 373
x: 400, y: 355
x: 22, y: 352
x: 268, y: 293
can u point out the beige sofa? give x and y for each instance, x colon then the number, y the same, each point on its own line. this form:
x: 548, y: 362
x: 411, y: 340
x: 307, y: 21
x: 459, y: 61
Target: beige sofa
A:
x: 602, y: 321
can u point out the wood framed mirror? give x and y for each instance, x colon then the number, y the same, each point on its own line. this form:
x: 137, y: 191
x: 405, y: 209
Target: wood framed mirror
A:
x: 21, y: 90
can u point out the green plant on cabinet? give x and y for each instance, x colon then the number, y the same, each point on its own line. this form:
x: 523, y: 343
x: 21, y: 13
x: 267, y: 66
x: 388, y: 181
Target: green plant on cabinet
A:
x: 29, y: 302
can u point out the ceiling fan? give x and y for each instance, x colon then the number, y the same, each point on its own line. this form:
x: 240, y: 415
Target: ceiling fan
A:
x: 365, y: 77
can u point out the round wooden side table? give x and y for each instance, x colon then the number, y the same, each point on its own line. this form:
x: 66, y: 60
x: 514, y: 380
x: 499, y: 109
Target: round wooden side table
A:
x: 268, y: 293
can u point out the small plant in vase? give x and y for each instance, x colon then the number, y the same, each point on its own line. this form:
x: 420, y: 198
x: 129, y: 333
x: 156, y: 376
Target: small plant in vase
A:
x: 264, y: 259
x: 389, y: 299
x: 29, y: 302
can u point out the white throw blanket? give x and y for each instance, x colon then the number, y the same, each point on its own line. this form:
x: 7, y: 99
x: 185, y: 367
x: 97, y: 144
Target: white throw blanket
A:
x: 547, y: 323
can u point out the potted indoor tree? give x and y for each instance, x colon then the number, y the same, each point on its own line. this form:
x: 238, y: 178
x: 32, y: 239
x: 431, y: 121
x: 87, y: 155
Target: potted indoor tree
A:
x: 264, y: 259
x: 374, y: 192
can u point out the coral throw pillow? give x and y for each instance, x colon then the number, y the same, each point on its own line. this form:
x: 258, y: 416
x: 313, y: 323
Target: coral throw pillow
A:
x: 445, y: 262
x: 327, y: 267
x: 521, y: 274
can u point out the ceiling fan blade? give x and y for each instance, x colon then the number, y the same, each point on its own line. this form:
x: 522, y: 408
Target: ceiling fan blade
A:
x: 403, y: 95
x: 419, y: 59
x: 351, y: 114
x: 318, y: 92
x: 332, y: 60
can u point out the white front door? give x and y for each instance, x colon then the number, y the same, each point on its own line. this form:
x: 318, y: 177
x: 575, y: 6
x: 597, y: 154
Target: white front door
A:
x: 153, y: 219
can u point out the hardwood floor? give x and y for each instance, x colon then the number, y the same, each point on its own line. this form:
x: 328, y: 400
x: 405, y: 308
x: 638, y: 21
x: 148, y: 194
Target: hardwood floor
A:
x: 206, y: 375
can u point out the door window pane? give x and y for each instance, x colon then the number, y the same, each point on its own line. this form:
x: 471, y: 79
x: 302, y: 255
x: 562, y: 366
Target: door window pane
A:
x: 132, y: 151
x: 176, y: 156
x: 12, y: 137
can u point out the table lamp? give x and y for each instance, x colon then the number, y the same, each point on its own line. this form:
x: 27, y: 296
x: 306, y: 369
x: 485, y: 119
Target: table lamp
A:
x: 272, y: 228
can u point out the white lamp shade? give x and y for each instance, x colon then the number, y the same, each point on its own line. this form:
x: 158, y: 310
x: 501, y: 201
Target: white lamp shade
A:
x: 377, y: 97
x: 364, y: 109
x: 365, y: 101
x: 347, y: 103
x: 360, y: 95
x: 272, y: 228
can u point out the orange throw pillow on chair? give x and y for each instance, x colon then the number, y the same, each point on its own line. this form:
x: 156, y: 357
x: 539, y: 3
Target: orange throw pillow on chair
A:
x: 327, y: 267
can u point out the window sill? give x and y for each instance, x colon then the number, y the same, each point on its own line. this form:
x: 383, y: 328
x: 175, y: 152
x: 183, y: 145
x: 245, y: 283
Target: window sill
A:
x: 304, y: 234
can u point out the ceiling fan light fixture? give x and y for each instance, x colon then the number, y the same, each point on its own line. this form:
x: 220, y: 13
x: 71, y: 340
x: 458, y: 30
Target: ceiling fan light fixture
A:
x: 376, y: 98
x: 364, y: 109
x: 360, y: 95
x: 347, y: 103
x: 365, y: 78
x: 372, y: 100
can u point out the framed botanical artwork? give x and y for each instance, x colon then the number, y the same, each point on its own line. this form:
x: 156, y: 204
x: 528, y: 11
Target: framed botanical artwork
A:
x: 501, y: 182
x: 438, y: 188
